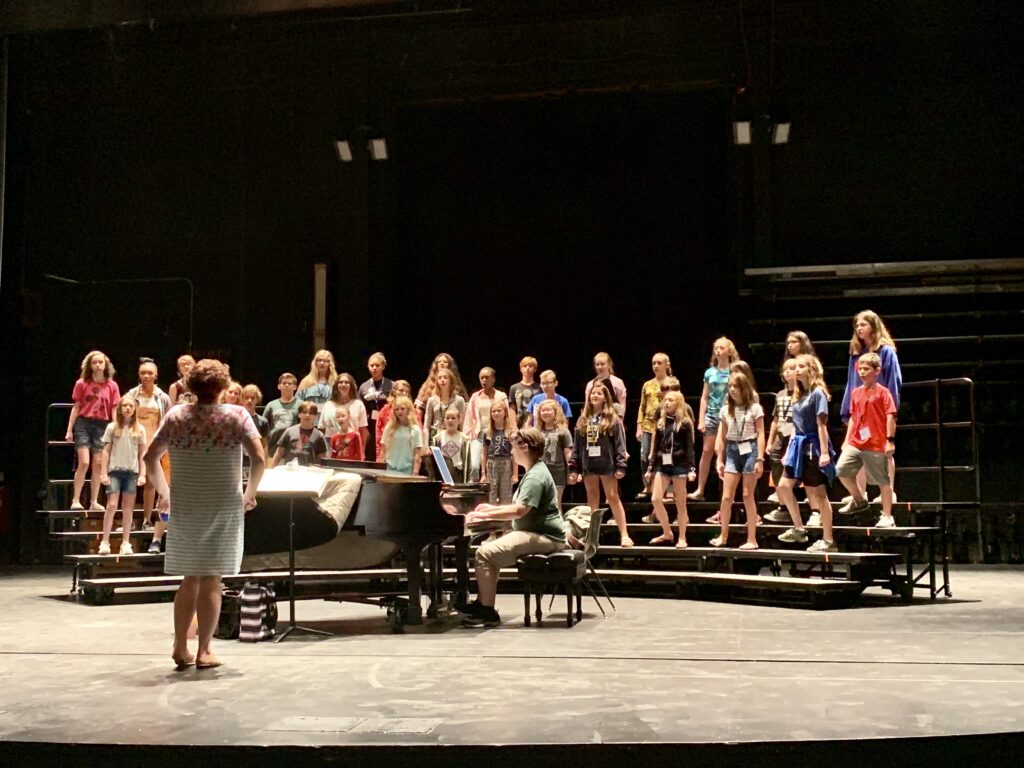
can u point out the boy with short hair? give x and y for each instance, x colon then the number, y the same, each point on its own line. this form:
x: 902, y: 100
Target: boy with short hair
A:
x: 251, y: 397
x: 283, y: 412
x: 522, y: 393
x: 374, y: 393
x: 870, y: 440
x: 548, y: 382
x: 302, y: 441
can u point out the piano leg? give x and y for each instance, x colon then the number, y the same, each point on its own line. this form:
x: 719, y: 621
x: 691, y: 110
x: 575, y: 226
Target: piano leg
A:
x: 434, y: 587
x: 413, y: 553
x: 462, y: 569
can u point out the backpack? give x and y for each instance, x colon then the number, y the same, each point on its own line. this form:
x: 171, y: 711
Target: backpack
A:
x: 257, y: 612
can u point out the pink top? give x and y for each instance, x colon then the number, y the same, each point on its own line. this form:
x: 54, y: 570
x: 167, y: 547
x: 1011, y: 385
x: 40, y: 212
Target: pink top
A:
x: 478, y: 411
x: 96, y: 401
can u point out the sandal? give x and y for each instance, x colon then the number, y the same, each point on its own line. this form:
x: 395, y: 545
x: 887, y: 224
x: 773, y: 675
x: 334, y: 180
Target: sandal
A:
x: 681, y: 544
x: 715, y: 519
x: 718, y: 541
x: 663, y: 539
x: 748, y: 547
x: 626, y: 542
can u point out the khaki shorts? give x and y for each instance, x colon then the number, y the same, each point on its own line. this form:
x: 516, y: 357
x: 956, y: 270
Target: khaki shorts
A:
x: 503, y: 552
x: 875, y: 463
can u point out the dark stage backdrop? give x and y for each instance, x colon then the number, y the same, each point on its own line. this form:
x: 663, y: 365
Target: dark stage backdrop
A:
x: 560, y: 228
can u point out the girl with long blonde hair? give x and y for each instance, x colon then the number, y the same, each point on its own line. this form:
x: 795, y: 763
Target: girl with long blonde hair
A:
x: 123, y: 470
x: 670, y: 464
x: 712, y: 398
x: 317, y: 385
x: 94, y: 398
x: 402, y: 441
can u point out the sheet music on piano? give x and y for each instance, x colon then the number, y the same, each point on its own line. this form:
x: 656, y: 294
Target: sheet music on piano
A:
x: 294, y: 480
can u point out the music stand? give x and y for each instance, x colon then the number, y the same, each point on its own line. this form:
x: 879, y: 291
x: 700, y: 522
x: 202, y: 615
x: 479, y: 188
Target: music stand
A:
x: 291, y: 484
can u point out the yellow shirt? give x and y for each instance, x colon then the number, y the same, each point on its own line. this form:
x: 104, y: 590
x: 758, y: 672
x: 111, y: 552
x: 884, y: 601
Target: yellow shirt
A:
x: 650, y: 402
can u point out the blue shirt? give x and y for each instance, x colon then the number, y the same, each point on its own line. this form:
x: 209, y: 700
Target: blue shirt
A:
x: 538, y: 399
x: 718, y: 386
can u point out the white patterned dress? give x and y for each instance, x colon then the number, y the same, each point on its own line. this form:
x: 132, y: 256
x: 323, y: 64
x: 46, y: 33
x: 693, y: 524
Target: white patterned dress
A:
x: 206, y: 532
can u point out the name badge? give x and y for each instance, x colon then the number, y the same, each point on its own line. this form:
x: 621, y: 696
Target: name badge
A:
x: 374, y: 415
x: 594, y: 450
x: 745, y: 449
x: 864, y: 433
x: 666, y: 459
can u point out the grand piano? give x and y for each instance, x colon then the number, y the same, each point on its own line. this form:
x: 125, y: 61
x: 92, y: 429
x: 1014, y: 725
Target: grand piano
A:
x: 412, y: 513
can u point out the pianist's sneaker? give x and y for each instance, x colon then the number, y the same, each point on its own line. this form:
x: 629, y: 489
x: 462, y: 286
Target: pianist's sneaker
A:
x: 470, y: 608
x: 485, y: 616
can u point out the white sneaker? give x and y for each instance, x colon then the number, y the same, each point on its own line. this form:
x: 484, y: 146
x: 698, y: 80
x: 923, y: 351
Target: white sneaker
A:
x: 814, y: 521
x: 886, y: 521
x: 794, y: 535
x: 878, y: 498
x: 780, y: 515
x: 77, y: 506
x: 822, y: 545
x: 846, y: 499
x: 126, y: 549
x: 97, y: 507
x: 773, y: 498
x: 104, y: 548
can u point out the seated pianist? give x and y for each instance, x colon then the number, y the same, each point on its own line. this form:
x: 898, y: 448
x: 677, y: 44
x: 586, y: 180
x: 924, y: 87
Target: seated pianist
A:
x: 537, y: 527
x: 303, y: 441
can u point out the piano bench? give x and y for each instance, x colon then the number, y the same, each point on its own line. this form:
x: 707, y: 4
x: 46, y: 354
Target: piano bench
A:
x: 538, y: 572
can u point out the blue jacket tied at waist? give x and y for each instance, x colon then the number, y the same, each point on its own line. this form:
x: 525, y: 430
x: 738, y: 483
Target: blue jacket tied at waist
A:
x: 806, y: 447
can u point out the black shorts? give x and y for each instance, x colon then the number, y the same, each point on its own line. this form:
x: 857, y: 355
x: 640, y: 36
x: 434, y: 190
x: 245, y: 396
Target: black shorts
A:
x: 812, y: 477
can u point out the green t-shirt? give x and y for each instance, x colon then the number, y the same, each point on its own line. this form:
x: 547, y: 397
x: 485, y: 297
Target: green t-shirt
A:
x: 537, y: 491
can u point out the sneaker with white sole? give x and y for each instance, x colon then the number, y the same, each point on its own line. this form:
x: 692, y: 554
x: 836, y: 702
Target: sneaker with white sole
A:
x: 484, y: 616
x: 154, y: 547
x: 823, y: 545
x: 76, y: 506
x: 649, y: 518
x: 104, y: 548
x: 126, y: 549
x: 886, y: 521
x: 780, y: 515
x: 97, y: 507
x: 814, y: 521
x: 773, y: 498
x: 794, y: 536
x: 846, y: 499
x: 878, y: 499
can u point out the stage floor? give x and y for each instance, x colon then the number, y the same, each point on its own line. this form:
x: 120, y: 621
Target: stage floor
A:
x: 656, y: 671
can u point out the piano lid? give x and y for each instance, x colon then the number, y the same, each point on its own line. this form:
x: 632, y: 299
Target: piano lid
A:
x: 373, y: 472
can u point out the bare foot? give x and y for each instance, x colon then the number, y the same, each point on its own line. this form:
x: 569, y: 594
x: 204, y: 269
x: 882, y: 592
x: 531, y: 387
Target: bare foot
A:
x: 681, y: 544
x: 182, y: 660
x: 209, y: 661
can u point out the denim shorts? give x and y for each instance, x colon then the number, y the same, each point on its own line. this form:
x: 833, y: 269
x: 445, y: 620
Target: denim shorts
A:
x: 740, y: 464
x: 88, y: 433
x: 671, y: 471
x: 711, y: 422
x: 122, y: 480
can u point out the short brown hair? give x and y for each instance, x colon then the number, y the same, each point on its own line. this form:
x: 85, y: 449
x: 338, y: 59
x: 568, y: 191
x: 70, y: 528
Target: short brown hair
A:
x: 532, y: 439
x: 207, y: 380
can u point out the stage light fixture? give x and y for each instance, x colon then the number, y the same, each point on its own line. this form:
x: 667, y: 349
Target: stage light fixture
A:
x: 741, y: 132
x: 780, y: 133
x: 344, y: 150
x: 378, y: 149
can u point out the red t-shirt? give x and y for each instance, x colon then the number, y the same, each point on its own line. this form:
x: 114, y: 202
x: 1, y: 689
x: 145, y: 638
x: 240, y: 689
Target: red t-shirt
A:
x: 96, y: 401
x: 868, y: 411
x: 347, y: 446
